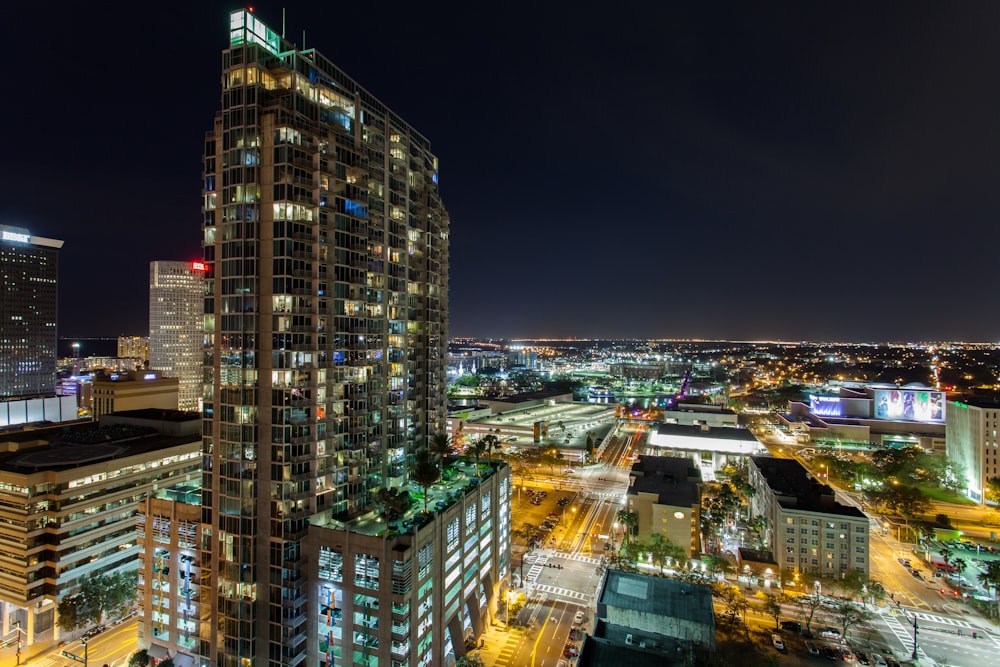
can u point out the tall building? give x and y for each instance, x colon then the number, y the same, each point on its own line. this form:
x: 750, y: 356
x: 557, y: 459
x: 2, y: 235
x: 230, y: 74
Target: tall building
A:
x: 807, y: 529
x: 137, y: 347
x: 176, y: 321
x: 972, y: 442
x: 326, y: 255
x: 29, y: 270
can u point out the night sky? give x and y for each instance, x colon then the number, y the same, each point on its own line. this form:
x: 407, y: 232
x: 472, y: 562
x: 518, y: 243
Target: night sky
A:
x: 800, y: 170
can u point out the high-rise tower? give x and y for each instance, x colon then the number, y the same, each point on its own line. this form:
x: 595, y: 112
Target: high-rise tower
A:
x: 176, y: 326
x: 29, y: 269
x: 326, y: 248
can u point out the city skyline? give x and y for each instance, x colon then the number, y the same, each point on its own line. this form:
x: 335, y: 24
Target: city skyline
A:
x: 737, y: 173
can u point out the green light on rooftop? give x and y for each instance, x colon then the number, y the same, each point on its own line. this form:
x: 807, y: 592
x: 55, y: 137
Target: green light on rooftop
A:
x: 245, y: 28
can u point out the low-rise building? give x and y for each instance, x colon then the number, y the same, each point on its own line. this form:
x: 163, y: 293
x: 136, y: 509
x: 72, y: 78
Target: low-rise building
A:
x: 131, y: 390
x: 665, y: 495
x: 658, y: 607
x: 807, y: 529
x: 710, y: 448
x: 68, y: 502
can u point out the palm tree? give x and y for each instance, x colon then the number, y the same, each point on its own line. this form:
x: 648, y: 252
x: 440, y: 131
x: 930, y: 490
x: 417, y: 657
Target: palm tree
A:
x: 991, y: 578
x: 490, y: 443
x: 394, y: 503
x: 424, y: 471
x: 628, y: 520
x: 442, y: 446
x: 478, y: 448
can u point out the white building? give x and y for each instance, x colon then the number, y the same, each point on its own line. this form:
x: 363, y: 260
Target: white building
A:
x: 807, y: 529
x: 711, y: 448
x: 176, y: 323
x: 971, y: 441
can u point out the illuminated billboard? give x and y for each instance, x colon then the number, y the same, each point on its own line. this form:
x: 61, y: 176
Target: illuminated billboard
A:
x: 825, y: 406
x: 910, y: 405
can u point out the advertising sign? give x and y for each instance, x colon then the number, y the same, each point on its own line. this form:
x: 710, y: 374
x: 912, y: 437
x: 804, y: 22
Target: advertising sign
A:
x: 910, y: 405
x: 825, y: 406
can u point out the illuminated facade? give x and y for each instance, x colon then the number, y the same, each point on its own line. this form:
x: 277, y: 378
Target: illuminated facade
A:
x: 176, y: 321
x: 29, y: 269
x: 971, y: 441
x: 68, y: 505
x: 326, y: 255
x: 131, y: 390
x: 136, y: 347
x: 664, y: 493
x: 807, y: 529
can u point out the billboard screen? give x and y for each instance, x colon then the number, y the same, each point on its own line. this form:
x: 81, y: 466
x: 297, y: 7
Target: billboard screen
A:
x: 910, y: 405
x: 825, y: 406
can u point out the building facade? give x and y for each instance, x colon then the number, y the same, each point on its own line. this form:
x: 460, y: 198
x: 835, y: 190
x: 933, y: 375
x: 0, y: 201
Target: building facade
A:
x: 29, y: 272
x: 417, y: 596
x: 130, y: 390
x: 137, y: 347
x: 807, y: 529
x: 971, y: 441
x: 326, y: 257
x: 665, y: 495
x: 68, y: 505
x: 176, y: 326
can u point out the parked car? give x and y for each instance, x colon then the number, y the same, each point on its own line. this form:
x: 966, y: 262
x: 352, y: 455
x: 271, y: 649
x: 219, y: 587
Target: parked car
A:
x: 830, y: 633
x: 879, y: 661
x: 812, y: 648
x: 579, y: 617
x: 776, y: 641
x: 862, y: 658
x: 829, y: 652
x: 792, y: 626
x: 891, y: 661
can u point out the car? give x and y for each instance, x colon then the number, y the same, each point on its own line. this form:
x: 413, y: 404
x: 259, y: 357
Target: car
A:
x: 569, y: 471
x: 862, y: 658
x: 812, y: 648
x: 879, y: 661
x: 916, y: 574
x: 542, y: 493
x: 579, y: 617
x: 891, y: 661
x: 530, y: 492
x: 777, y: 643
x: 562, y: 663
x: 845, y: 654
x: 570, y: 652
x: 830, y: 653
x: 830, y: 633
x: 793, y: 626
x: 628, y: 639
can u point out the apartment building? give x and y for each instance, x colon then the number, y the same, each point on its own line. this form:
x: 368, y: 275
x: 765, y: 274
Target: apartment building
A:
x: 326, y: 261
x: 971, y: 441
x: 807, y: 529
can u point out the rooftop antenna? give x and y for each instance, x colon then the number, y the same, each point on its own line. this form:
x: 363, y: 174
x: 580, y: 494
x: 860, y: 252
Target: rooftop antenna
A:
x: 303, y: 40
x: 282, y: 23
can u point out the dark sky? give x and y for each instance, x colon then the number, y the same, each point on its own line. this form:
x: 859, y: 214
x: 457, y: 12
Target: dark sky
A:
x: 794, y: 170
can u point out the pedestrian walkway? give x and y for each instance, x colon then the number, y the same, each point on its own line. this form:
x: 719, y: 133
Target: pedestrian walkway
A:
x: 941, y: 619
x: 904, y: 633
x: 564, y: 592
x: 508, y: 649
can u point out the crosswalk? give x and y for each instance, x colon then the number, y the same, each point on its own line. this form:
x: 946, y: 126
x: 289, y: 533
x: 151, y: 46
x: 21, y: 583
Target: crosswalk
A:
x: 563, y: 592
x: 934, y: 618
x: 509, y: 649
x: 904, y: 633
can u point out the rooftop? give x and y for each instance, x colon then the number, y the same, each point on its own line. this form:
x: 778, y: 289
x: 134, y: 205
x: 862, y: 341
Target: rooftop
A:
x: 796, y: 489
x: 656, y: 595
x: 720, y: 433
x: 610, y: 649
x: 674, y: 479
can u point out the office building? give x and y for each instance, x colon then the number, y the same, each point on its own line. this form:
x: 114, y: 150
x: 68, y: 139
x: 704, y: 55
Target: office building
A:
x: 710, y: 448
x: 137, y: 347
x: 132, y: 390
x: 29, y: 271
x: 665, y: 495
x: 326, y: 257
x: 176, y: 325
x: 972, y: 442
x: 69, y: 501
x: 807, y: 529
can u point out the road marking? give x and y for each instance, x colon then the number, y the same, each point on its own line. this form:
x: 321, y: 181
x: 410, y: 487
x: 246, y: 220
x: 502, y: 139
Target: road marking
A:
x: 941, y: 619
x: 563, y: 592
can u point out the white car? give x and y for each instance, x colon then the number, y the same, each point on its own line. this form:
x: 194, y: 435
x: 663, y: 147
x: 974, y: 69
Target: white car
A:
x: 578, y: 618
x: 830, y: 633
x: 778, y: 644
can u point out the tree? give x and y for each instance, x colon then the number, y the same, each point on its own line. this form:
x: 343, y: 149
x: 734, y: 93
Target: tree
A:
x: 808, y: 604
x: 992, y: 490
x: 478, y: 448
x: 394, y: 503
x: 736, y: 604
x: 850, y: 615
x: 424, y: 472
x: 960, y: 565
x: 991, y: 579
x: 470, y: 660
x: 490, y: 443
x: 772, y: 607
x: 100, y: 595
x: 629, y: 522
x: 139, y: 659
x: 718, y: 565
x: 68, y: 611
x: 442, y: 446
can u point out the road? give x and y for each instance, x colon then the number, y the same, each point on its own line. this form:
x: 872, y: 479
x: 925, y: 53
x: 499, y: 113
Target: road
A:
x: 113, y: 647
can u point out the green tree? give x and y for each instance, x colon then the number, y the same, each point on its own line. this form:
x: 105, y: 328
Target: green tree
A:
x: 992, y: 490
x: 394, y: 503
x: 990, y: 578
x: 629, y: 522
x: 808, y: 604
x: 478, y: 448
x: 424, y: 471
x: 772, y: 607
x: 441, y: 445
x: 491, y: 443
x: 69, y: 612
x: 850, y: 615
x: 470, y: 660
x: 139, y: 659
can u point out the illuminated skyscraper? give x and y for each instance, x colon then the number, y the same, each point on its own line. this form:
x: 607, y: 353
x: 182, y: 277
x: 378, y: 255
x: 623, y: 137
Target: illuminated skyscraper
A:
x: 326, y: 248
x: 176, y: 321
x: 29, y: 269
